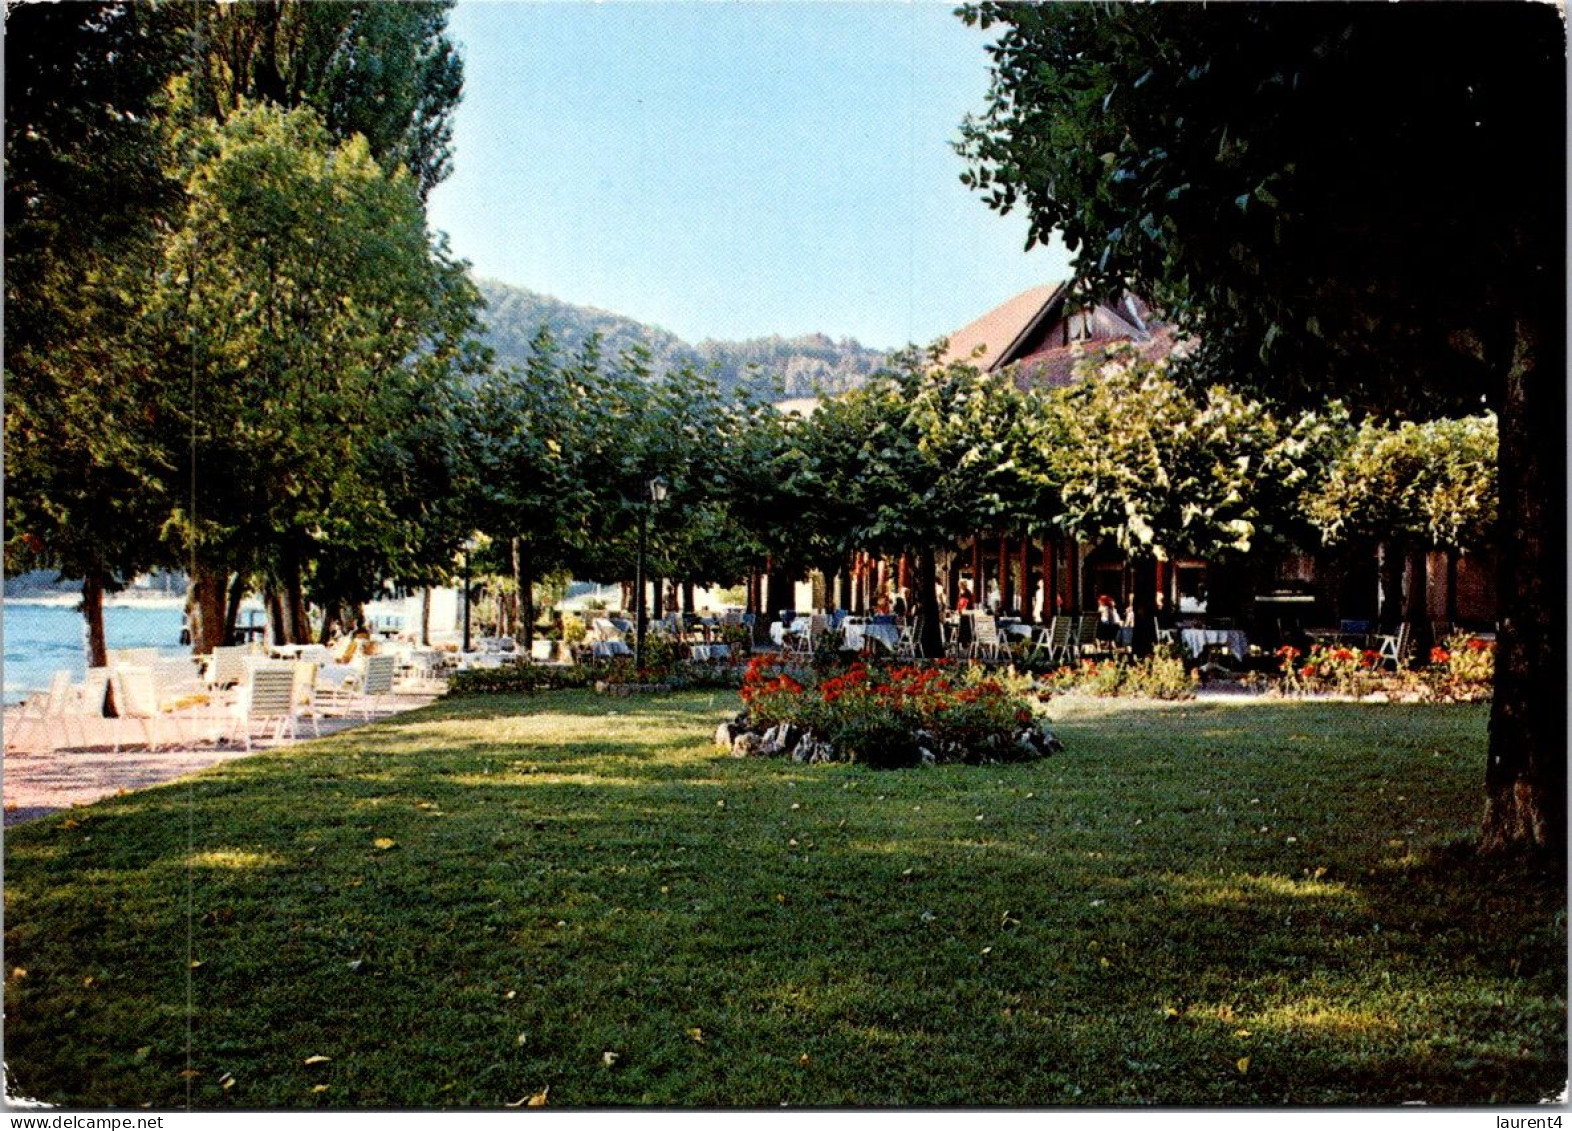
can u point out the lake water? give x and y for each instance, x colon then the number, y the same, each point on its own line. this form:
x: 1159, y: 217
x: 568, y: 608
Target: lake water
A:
x: 42, y: 639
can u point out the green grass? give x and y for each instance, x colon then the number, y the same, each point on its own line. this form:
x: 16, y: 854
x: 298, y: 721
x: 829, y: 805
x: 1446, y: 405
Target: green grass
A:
x: 1185, y: 887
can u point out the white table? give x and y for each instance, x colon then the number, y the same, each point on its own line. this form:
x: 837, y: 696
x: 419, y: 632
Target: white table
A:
x: 855, y: 635
x: 778, y: 631
x: 709, y: 651
x: 610, y: 648
x: 1196, y: 640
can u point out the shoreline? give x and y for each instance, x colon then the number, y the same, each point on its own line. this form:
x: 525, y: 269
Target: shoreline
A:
x: 111, y: 601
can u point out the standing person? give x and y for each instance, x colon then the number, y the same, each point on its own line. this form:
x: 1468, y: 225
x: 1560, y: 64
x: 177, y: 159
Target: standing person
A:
x: 900, y: 606
x: 1107, y: 619
x: 963, y: 603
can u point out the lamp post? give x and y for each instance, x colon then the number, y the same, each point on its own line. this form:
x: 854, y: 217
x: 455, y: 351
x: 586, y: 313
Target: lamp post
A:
x: 469, y: 548
x: 655, y: 492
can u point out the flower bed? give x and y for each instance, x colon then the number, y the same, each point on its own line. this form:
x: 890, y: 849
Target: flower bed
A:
x: 887, y: 717
x: 1461, y: 670
x: 1159, y: 676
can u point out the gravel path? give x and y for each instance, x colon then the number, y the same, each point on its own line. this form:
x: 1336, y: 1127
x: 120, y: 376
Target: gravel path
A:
x: 37, y: 783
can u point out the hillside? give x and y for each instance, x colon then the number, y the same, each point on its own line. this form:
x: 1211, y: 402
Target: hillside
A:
x: 772, y: 366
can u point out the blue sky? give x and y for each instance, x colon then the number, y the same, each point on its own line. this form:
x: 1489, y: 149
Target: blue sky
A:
x: 731, y: 170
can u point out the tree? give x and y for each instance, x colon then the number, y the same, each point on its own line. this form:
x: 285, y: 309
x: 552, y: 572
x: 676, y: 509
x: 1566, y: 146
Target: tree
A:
x: 83, y: 186
x: 534, y: 461
x: 1165, y: 469
x: 384, y: 71
x: 1337, y: 201
x: 302, y: 314
x: 91, y: 480
x: 1411, y: 487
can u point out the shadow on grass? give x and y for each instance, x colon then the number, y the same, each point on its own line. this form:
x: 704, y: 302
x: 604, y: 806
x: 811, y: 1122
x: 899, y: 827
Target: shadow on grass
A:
x: 1190, y: 906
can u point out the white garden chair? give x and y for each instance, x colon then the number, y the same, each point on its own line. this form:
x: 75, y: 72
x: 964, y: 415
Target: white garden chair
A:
x: 267, y: 698
x: 41, y: 712
x: 987, y: 641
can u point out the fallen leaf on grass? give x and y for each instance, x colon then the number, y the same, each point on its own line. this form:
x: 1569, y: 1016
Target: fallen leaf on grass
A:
x: 521, y: 1040
x: 803, y: 1059
x: 316, y: 1059
x: 383, y: 843
x: 1241, y: 1032
x: 195, y: 962
x: 143, y: 1053
x: 18, y: 972
x: 608, y: 1058
x: 1243, y: 1064
x: 537, y: 1100
x: 226, y: 1081
x: 697, y: 1035
x: 319, y: 1088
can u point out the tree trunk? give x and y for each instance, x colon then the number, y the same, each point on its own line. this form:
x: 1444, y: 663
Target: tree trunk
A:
x: 1391, y: 581
x: 237, y: 594
x: 1526, y: 770
x: 425, y: 617
x: 1143, y: 633
x: 1416, y: 603
x: 295, y: 624
x: 931, y: 642
x: 205, y: 609
x: 523, y: 577
x: 273, y: 603
x: 93, y: 614
x: 687, y: 597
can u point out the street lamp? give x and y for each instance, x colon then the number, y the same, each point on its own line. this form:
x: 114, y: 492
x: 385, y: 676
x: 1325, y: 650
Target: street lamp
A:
x: 470, y: 545
x: 655, y: 492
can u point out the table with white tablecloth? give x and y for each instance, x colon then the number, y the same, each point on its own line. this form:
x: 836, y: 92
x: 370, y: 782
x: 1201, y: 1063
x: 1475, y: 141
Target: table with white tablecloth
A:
x: 605, y: 649
x: 778, y: 631
x: 1197, y: 640
x: 856, y: 635
x: 709, y: 651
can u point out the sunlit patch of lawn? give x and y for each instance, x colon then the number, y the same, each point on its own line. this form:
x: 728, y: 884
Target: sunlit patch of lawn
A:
x: 1194, y: 904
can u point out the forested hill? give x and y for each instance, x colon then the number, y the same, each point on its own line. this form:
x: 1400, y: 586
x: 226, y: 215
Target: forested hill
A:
x: 791, y: 367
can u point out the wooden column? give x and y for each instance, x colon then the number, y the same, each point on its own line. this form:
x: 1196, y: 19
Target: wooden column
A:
x: 1028, y: 592
x: 1073, y: 574
x: 977, y: 566
x: 1006, y: 580
x: 1050, y: 576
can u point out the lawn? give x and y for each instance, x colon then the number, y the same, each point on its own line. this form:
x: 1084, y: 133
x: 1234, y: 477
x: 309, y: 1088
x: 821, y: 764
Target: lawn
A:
x: 580, y: 899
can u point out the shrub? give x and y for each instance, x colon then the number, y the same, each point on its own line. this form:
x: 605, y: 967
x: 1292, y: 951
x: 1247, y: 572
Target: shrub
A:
x: 1330, y: 668
x: 1161, y: 675
x: 1462, y: 669
x: 517, y: 679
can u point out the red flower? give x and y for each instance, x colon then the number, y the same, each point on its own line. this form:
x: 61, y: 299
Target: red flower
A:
x: 1307, y: 672
x: 1342, y: 655
x: 1289, y: 653
x: 1371, y: 657
x: 1439, y: 655
x: 1477, y: 645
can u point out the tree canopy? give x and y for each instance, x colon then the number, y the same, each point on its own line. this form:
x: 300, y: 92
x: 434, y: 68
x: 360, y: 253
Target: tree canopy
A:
x: 1363, y: 202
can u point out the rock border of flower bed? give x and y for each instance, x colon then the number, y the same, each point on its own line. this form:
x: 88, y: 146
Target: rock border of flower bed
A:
x: 799, y: 744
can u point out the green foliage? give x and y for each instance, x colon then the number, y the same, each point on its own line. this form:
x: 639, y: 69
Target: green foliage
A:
x: 386, y: 72
x: 1434, y: 482
x: 520, y: 678
x: 1164, y: 470
x: 1183, y: 151
x: 322, y: 331
x: 1162, y: 675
